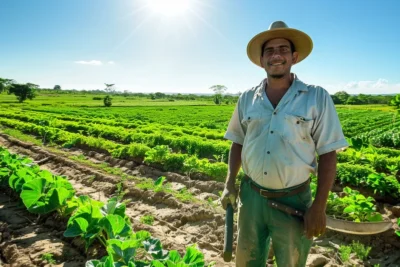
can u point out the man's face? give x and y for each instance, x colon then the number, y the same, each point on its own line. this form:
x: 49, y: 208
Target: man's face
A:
x: 278, y: 58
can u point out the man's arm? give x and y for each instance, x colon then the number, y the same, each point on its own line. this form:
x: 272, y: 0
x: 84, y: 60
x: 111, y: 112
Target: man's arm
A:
x: 234, y: 163
x: 315, y: 217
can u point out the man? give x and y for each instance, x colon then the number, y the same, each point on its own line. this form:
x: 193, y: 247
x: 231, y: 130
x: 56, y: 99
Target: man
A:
x: 277, y: 129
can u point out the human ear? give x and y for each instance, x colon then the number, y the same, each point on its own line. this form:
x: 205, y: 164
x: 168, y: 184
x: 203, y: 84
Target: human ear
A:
x: 261, y: 61
x: 295, y: 57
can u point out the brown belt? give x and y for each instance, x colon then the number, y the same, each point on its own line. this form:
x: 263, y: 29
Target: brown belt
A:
x: 270, y: 194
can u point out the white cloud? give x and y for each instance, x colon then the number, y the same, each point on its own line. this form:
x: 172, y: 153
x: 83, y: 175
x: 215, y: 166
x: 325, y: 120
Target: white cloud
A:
x: 111, y: 62
x: 91, y: 62
x: 380, y: 86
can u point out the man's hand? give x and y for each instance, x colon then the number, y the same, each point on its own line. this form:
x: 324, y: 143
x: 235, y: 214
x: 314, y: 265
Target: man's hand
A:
x: 229, y: 195
x: 314, y: 221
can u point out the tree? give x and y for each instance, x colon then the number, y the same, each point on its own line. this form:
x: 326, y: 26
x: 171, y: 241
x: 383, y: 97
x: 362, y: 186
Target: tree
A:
x: 107, y: 101
x: 353, y: 100
x: 5, y: 84
x: 342, y: 96
x: 57, y: 87
x: 23, y: 91
x: 219, y: 90
x: 110, y: 88
x: 395, y: 101
x: 336, y: 100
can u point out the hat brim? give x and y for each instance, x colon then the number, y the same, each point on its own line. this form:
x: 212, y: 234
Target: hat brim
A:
x: 302, y: 42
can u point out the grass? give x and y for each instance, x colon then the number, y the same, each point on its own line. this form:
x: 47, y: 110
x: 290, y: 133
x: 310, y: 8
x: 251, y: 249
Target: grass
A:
x: 21, y: 136
x: 183, y: 194
x: 147, y: 219
x: 360, y: 249
x: 81, y: 100
x: 344, y: 252
x: 355, y: 247
x: 48, y: 257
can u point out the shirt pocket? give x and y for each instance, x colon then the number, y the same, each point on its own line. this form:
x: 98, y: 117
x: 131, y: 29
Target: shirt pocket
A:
x: 297, y: 129
x: 253, y: 125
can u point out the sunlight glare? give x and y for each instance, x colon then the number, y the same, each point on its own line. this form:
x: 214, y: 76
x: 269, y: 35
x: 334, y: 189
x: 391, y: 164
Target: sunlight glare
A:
x: 169, y: 8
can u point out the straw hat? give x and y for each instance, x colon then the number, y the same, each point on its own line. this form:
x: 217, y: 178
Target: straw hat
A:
x: 278, y: 29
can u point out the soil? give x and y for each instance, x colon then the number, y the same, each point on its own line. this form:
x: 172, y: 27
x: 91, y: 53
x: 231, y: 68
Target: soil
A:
x: 177, y: 224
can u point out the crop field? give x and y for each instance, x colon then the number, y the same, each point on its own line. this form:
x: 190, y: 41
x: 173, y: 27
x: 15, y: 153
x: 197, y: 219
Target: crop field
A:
x: 138, y: 183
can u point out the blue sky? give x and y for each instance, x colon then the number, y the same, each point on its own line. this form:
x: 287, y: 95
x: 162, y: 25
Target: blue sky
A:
x: 143, y: 46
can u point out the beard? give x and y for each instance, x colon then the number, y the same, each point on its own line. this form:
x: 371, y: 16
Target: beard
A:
x: 277, y: 76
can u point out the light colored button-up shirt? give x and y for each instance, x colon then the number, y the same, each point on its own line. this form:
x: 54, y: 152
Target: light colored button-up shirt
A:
x: 280, y: 144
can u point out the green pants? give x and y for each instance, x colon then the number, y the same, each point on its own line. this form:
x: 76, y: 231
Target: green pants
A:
x: 258, y: 224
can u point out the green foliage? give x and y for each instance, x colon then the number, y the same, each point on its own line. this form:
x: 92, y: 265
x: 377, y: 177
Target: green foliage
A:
x: 354, y: 206
x: 107, y: 101
x: 344, y: 252
x: 342, y: 97
x: 147, y: 219
x: 398, y: 224
x: 5, y: 84
x: 57, y: 87
x: 48, y: 257
x: 395, y: 101
x: 360, y: 249
x: 218, y: 99
x: 23, y: 91
x: 46, y: 193
x: 92, y: 220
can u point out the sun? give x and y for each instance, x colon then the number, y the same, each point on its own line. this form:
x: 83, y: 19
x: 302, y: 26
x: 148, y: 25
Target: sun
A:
x: 169, y: 8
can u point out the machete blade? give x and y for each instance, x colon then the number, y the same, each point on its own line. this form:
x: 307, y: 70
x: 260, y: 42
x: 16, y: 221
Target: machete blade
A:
x: 357, y: 228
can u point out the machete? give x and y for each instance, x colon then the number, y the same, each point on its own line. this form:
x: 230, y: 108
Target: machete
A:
x: 356, y: 228
x: 228, y: 237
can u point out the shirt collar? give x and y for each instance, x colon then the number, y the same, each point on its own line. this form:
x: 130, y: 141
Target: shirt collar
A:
x: 297, y: 85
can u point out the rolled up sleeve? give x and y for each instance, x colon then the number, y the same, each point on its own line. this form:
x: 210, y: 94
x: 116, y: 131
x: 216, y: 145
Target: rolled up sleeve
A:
x: 328, y: 134
x: 235, y: 131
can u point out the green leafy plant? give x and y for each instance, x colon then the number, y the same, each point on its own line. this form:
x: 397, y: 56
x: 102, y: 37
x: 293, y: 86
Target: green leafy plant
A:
x: 46, y: 193
x: 360, y: 249
x: 398, y: 224
x: 147, y: 219
x: 344, y: 252
x: 48, y: 257
x: 354, y: 206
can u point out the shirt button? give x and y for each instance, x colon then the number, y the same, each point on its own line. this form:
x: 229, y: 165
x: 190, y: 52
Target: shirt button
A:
x: 268, y: 152
x: 265, y: 173
x: 274, y: 113
x: 272, y: 132
x: 297, y: 122
x: 248, y: 118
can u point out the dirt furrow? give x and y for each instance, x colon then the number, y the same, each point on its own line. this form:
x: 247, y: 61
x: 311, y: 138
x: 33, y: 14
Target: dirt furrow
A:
x: 177, y: 224
x: 24, y: 243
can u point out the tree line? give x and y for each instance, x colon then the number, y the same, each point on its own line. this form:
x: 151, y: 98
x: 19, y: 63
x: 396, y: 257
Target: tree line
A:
x: 30, y: 90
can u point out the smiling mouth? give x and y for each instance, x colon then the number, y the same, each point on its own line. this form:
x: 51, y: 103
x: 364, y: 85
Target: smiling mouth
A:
x: 276, y: 64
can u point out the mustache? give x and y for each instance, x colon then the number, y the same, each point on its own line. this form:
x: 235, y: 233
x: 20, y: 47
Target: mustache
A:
x: 275, y: 61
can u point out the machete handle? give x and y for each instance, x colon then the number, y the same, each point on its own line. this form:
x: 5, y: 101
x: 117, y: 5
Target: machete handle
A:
x: 228, y: 233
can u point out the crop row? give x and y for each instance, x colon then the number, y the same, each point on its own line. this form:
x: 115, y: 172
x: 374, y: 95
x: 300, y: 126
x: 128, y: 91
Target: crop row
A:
x: 380, y: 159
x: 43, y: 192
x: 163, y: 158
x: 186, y: 144
x: 354, y: 121
x: 138, y: 124
x: 160, y: 156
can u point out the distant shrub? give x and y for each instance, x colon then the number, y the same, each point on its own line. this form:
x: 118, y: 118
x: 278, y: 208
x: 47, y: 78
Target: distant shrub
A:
x: 97, y: 98
x: 107, y: 101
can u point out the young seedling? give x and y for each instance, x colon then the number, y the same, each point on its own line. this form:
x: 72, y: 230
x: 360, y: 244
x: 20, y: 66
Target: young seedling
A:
x: 147, y: 219
x: 48, y: 257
